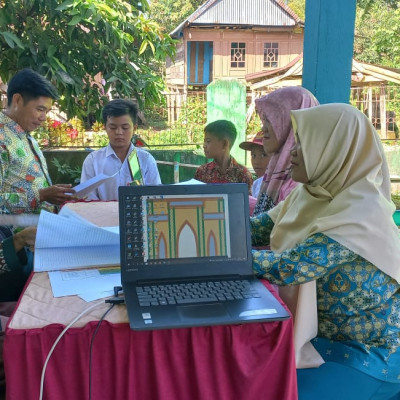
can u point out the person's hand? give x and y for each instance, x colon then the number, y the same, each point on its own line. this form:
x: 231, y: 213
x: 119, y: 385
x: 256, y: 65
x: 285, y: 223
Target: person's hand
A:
x: 26, y: 237
x: 57, y: 194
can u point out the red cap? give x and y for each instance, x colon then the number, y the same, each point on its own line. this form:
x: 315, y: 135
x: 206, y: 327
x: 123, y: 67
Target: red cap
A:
x: 257, y: 140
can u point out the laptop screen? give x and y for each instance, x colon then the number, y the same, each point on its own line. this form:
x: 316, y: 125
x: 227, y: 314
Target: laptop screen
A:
x: 184, y: 230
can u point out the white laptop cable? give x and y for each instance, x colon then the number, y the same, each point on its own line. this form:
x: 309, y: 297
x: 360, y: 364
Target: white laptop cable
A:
x: 58, y: 339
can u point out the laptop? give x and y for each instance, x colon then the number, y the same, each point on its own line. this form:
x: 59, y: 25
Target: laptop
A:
x: 186, y: 257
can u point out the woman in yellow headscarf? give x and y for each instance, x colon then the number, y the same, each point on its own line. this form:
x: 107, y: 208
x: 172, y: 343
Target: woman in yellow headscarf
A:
x: 334, y: 240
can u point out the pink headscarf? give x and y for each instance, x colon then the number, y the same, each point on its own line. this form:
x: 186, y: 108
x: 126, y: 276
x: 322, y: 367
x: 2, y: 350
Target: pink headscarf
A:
x: 276, y: 107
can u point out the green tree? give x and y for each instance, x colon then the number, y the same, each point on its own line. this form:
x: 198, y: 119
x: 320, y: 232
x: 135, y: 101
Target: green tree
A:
x: 377, y: 33
x: 170, y: 13
x: 73, y: 41
x: 377, y: 29
x: 367, y: 5
x: 298, y: 6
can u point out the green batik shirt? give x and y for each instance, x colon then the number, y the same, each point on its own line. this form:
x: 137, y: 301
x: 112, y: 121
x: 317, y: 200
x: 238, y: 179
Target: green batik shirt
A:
x: 358, y: 304
x: 23, y: 170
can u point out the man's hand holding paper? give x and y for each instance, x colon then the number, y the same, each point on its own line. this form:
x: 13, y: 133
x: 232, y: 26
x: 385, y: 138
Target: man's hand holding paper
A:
x: 57, y: 194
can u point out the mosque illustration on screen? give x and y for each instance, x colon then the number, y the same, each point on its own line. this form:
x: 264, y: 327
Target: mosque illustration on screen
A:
x: 187, y: 227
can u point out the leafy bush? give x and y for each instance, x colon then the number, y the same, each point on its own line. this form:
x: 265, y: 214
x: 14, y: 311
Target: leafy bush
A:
x: 72, y: 174
x: 55, y: 133
x: 99, y: 139
x: 254, y: 125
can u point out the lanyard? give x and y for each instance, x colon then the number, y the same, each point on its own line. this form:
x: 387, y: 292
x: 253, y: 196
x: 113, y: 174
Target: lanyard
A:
x: 134, y: 168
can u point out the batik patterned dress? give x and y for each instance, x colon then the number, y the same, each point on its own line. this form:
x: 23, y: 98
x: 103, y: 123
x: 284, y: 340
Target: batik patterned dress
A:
x: 358, y: 305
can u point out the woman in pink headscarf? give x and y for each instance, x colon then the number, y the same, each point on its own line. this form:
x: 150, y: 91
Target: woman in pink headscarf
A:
x: 274, y: 111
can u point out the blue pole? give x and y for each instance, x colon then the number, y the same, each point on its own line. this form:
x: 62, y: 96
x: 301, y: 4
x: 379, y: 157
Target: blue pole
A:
x: 328, y: 49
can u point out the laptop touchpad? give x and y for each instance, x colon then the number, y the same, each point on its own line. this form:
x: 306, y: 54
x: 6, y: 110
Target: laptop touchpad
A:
x: 202, y: 311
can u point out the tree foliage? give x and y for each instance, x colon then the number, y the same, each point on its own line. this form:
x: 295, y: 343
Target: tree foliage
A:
x: 298, y: 6
x: 377, y: 30
x: 71, y: 42
x: 170, y: 13
x: 367, y: 5
x: 377, y: 33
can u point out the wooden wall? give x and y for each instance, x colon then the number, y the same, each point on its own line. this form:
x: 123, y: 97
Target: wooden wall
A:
x: 290, y: 46
x: 175, y: 72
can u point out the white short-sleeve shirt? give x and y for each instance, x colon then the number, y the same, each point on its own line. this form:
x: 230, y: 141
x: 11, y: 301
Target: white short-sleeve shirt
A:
x: 256, y: 186
x: 105, y: 161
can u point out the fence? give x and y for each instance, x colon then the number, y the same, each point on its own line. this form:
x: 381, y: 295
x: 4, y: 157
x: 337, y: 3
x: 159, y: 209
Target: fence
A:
x: 382, y: 106
x: 180, y: 121
x: 173, y: 165
x: 187, y: 113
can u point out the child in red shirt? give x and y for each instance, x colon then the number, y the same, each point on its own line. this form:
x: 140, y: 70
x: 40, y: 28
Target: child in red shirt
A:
x: 219, y: 137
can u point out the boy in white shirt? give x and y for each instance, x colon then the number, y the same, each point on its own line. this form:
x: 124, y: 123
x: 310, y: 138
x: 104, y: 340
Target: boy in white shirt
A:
x: 119, y: 118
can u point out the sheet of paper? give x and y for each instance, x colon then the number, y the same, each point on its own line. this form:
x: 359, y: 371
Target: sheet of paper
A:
x: 66, y: 243
x: 53, y: 259
x: 59, y: 231
x: 89, y: 282
x: 83, y: 189
x: 190, y: 182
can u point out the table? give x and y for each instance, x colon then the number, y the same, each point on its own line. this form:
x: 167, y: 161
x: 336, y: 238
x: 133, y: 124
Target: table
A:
x: 232, y: 362
x: 244, y: 362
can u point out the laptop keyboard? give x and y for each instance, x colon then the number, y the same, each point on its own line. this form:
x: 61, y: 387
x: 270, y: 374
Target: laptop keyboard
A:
x: 192, y: 293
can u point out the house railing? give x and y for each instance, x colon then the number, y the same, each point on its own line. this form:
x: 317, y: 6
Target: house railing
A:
x: 177, y: 165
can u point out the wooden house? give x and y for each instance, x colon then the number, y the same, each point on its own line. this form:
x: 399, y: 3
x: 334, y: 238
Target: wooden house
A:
x: 233, y: 38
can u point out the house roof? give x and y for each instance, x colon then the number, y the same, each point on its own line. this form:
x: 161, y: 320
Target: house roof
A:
x: 363, y: 74
x: 240, y: 13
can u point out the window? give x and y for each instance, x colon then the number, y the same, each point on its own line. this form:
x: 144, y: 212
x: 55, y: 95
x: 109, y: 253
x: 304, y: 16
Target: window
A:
x: 271, y: 53
x: 238, y: 55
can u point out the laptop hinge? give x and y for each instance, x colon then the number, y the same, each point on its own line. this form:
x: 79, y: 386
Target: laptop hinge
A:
x: 191, y: 279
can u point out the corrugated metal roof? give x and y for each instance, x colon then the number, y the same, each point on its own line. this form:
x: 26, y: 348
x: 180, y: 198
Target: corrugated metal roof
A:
x: 240, y: 13
x: 245, y: 12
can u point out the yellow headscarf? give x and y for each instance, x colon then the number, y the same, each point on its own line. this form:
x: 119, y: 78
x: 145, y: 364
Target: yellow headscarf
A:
x: 348, y: 194
x: 347, y: 198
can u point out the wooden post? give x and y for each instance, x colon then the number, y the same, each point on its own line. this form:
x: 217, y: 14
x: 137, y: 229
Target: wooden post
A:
x: 172, y: 107
x: 382, y: 114
x: 177, y: 160
x: 370, y: 109
x: 178, y: 103
x: 328, y: 49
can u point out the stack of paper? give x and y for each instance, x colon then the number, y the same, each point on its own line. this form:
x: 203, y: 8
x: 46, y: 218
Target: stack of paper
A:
x: 89, y: 284
x: 64, y: 242
x: 85, y: 188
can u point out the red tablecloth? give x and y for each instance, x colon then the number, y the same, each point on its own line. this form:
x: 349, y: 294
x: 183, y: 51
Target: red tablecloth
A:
x: 235, y: 362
